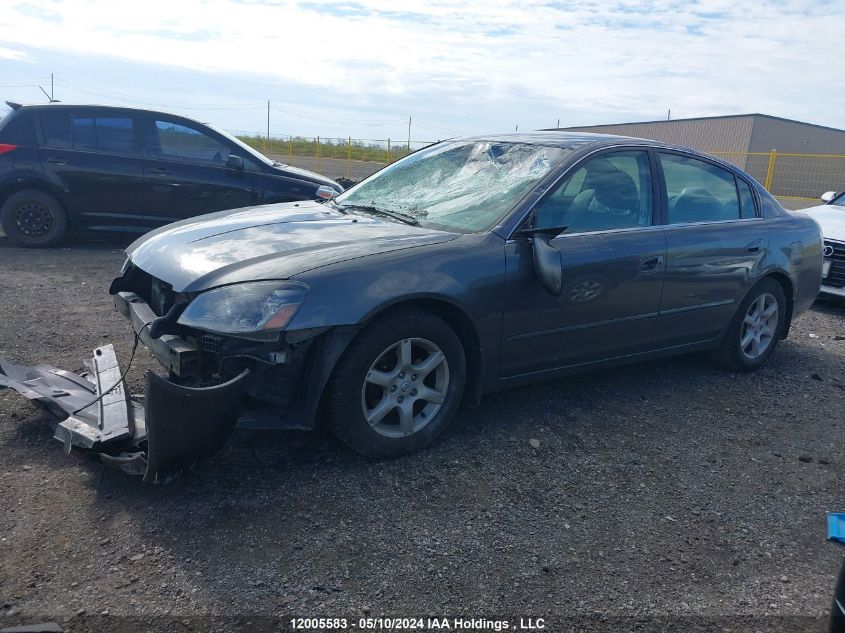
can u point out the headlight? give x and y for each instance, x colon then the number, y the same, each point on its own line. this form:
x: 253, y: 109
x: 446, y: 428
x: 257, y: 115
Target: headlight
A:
x: 256, y: 310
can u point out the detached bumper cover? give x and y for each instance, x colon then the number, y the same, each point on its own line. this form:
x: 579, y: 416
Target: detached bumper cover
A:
x: 178, y: 426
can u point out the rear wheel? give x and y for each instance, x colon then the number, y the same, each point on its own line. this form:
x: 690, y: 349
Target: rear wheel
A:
x: 398, y: 385
x: 33, y: 218
x: 755, y: 329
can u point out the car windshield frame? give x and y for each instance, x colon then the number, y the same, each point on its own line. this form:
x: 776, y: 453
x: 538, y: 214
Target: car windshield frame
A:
x: 838, y: 200
x: 469, y: 184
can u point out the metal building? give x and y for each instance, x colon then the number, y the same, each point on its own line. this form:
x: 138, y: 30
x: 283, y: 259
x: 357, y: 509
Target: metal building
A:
x: 792, y: 158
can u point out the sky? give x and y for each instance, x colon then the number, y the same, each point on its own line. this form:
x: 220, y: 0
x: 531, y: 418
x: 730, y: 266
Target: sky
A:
x: 362, y: 68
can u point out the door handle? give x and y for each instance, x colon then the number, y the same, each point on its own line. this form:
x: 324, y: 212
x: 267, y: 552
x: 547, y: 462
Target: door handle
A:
x: 754, y: 247
x: 651, y: 264
x: 159, y: 171
x: 57, y: 160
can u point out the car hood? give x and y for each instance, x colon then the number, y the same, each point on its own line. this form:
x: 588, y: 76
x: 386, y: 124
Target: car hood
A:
x: 290, y: 171
x: 831, y: 218
x: 274, y: 241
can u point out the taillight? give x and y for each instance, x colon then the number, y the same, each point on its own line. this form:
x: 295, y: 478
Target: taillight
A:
x: 5, y: 148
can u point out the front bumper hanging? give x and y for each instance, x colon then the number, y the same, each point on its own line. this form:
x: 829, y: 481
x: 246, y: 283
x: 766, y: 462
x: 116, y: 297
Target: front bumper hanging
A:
x: 177, y: 427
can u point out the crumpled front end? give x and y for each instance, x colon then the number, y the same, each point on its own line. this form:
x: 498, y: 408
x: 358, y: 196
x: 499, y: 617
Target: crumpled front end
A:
x: 174, y: 428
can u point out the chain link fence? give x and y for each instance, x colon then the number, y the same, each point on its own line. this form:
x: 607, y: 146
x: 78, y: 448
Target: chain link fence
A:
x: 787, y: 175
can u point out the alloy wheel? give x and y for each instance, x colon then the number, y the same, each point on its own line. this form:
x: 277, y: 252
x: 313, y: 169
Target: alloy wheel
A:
x: 405, y: 387
x: 759, y: 326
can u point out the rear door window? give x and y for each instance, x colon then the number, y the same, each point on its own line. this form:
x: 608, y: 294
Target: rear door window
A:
x: 183, y: 143
x: 112, y: 135
x: 55, y: 127
x: 698, y: 191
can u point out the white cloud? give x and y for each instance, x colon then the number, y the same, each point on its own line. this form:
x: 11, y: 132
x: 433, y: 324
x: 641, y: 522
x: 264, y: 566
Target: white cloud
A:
x: 12, y: 54
x: 606, y: 59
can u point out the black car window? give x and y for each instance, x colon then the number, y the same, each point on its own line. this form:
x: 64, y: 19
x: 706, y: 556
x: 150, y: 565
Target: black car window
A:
x: 113, y: 135
x: 747, y: 208
x: 181, y: 142
x: 612, y: 191
x: 83, y: 133
x: 55, y: 126
x: 698, y: 191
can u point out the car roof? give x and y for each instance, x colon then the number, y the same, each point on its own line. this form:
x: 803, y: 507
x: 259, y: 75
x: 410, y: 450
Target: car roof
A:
x: 76, y: 106
x: 566, y: 140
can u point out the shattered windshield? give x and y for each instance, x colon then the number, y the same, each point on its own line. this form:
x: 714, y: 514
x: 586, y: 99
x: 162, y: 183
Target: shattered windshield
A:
x: 465, y: 185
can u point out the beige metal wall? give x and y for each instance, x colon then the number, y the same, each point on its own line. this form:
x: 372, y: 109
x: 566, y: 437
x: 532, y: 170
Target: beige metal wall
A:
x: 795, y: 137
x: 725, y: 134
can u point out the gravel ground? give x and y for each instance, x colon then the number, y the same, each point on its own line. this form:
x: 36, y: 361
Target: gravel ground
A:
x: 668, y: 490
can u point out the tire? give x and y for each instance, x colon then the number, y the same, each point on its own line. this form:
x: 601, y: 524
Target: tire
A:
x: 34, y: 219
x: 767, y: 330
x: 408, y: 409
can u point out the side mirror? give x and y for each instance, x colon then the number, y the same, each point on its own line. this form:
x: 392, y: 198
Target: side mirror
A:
x: 235, y: 163
x: 324, y: 192
x: 548, y: 263
x: 827, y: 196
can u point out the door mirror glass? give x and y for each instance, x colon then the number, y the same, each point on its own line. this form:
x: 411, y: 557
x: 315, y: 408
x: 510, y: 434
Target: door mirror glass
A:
x: 235, y: 162
x: 827, y: 196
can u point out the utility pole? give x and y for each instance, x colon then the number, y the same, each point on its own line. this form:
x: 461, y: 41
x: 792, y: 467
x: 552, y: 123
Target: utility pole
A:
x: 409, y: 135
x: 516, y: 129
x: 669, y: 115
x: 268, y: 121
x: 52, y: 97
x: 558, y: 122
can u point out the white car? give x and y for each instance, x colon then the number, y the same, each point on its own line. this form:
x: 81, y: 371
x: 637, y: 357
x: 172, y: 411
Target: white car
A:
x: 831, y: 217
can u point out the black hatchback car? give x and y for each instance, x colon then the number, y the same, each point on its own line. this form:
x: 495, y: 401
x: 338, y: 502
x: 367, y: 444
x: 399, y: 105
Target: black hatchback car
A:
x: 77, y: 168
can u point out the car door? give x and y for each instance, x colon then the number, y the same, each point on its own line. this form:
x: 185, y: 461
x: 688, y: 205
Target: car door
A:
x: 94, y: 156
x: 186, y: 171
x: 613, y: 260
x: 715, y: 245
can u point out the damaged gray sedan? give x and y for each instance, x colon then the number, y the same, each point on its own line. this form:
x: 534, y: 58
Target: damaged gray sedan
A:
x: 470, y: 266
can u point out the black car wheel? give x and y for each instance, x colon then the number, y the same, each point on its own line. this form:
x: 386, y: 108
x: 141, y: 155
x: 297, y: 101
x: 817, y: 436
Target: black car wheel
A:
x: 33, y: 218
x: 755, y: 329
x: 398, y: 385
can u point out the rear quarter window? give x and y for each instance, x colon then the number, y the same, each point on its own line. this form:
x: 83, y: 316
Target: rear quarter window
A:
x: 16, y: 128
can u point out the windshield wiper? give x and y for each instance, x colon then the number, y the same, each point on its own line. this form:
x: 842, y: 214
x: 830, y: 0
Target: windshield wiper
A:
x: 396, y: 215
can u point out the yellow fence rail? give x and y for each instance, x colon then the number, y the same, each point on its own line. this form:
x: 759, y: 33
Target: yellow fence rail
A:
x: 791, y: 175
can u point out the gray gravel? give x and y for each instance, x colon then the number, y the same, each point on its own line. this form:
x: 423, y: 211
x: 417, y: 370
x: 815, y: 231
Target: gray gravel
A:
x: 666, y: 489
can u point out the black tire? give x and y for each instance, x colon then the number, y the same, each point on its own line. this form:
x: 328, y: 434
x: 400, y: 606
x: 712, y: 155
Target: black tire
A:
x: 33, y: 218
x: 349, y: 391
x: 731, y: 354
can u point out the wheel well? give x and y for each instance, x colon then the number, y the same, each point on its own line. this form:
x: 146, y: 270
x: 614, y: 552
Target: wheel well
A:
x: 15, y: 187
x: 464, y: 328
x: 785, y: 283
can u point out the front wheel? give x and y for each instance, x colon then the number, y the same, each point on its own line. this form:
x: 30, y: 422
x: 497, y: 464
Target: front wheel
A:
x: 755, y: 329
x: 398, y: 385
x: 33, y: 218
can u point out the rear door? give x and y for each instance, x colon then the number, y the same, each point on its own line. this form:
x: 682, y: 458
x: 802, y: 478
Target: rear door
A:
x: 715, y: 245
x: 186, y: 173
x: 93, y: 156
x: 613, y: 256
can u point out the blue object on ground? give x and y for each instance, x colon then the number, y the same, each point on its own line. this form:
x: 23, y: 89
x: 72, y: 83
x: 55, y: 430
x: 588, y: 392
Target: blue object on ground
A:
x: 836, y: 527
